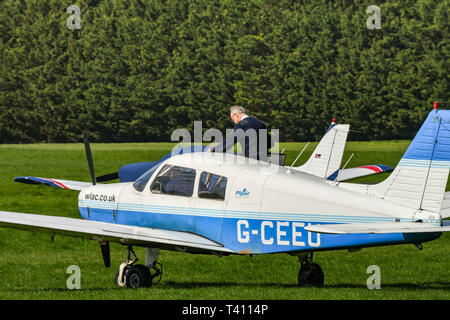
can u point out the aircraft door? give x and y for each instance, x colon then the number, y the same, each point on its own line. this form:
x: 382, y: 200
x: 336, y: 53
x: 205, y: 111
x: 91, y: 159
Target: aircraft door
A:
x: 210, y: 204
x: 168, y: 202
x: 241, y: 225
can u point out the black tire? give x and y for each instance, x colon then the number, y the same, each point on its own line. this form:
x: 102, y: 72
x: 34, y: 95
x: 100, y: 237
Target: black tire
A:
x: 310, y: 275
x: 138, y: 276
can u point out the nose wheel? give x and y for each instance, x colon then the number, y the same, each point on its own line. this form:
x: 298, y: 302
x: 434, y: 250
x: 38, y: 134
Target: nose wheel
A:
x: 310, y: 273
x: 134, y: 276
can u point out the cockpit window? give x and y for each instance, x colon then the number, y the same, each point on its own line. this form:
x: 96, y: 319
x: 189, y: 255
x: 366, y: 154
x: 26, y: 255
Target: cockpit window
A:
x: 212, y: 186
x: 141, y: 182
x: 174, y: 180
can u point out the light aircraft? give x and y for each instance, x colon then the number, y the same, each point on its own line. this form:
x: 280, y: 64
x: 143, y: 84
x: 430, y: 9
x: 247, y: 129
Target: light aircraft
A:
x: 222, y: 204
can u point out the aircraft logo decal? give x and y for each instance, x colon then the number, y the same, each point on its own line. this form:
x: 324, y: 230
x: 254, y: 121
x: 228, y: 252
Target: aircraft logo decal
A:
x: 243, y: 193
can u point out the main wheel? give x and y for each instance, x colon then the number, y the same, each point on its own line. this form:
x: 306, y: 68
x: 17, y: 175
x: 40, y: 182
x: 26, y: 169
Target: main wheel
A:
x: 136, y: 276
x: 310, y: 274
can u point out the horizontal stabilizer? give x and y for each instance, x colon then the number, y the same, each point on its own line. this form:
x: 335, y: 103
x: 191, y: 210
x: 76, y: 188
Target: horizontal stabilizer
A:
x: 352, y: 173
x: 103, y: 231
x: 386, y: 227
x: 58, y: 183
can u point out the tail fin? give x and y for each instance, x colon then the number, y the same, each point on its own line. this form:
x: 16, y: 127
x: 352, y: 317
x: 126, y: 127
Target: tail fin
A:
x: 326, y: 158
x: 420, y: 178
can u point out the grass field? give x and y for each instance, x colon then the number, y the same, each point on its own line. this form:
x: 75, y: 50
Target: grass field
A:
x: 34, y: 267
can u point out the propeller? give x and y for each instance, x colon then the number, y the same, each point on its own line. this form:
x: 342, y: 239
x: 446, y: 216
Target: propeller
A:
x: 87, y: 147
x: 108, y: 177
x: 103, y: 178
x: 104, y: 245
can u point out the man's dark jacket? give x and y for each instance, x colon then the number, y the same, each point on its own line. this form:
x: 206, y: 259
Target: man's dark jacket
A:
x: 252, y: 135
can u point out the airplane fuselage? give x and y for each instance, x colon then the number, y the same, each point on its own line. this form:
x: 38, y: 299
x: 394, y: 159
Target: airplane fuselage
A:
x: 264, y: 208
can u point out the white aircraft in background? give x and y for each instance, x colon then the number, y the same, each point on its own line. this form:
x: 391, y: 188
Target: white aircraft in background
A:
x: 222, y: 204
x: 326, y: 159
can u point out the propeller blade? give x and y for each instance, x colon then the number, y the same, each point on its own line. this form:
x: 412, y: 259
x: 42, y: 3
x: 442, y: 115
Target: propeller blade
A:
x: 108, y: 177
x: 87, y: 147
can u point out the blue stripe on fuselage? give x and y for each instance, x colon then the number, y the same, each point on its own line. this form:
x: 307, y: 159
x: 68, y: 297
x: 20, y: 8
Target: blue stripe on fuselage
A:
x: 253, y: 235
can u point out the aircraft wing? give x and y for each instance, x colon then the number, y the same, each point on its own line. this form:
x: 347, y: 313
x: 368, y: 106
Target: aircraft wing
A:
x: 386, y: 227
x: 102, y: 231
x: 351, y: 173
x: 58, y: 183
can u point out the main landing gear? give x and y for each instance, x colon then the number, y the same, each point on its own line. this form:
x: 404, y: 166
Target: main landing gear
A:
x: 310, y: 273
x: 133, y: 275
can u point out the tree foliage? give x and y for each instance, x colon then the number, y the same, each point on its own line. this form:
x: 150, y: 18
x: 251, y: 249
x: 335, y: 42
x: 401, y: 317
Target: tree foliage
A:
x: 137, y: 70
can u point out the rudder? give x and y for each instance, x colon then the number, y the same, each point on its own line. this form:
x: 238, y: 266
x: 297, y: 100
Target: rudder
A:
x: 420, y: 178
x: 326, y: 158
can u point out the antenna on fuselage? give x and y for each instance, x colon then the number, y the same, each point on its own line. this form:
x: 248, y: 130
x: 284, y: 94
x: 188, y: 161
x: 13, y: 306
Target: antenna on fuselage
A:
x: 87, y: 147
x: 289, y: 170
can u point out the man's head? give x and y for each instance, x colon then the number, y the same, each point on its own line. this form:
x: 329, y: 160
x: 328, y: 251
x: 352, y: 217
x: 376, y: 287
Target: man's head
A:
x: 236, y: 113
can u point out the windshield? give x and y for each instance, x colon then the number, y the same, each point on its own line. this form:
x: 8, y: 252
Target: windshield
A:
x: 141, y: 182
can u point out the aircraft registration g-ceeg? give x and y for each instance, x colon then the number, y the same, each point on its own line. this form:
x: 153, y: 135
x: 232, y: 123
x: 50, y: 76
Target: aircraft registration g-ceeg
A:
x: 222, y: 204
x: 280, y: 233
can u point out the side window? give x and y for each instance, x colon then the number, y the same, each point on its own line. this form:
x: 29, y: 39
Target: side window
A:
x: 212, y: 186
x: 173, y: 180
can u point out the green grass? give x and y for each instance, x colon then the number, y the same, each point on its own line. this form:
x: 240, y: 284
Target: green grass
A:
x: 33, y: 267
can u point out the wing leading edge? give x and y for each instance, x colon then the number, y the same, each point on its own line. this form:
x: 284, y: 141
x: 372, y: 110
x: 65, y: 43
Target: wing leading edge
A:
x: 124, y: 234
x: 357, y: 172
x: 58, y: 183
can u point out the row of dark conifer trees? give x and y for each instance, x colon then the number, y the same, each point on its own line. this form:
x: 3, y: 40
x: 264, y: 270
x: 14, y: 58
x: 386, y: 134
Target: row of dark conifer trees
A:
x: 136, y: 70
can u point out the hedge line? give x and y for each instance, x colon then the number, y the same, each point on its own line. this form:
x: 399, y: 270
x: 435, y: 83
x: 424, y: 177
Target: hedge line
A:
x: 137, y: 70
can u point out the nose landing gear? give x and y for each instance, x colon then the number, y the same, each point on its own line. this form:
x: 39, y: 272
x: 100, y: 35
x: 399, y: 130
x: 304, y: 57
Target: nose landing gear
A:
x: 139, y: 276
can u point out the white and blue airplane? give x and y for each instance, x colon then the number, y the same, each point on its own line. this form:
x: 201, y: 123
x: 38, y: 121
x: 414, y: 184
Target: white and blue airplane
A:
x: 223, y: 204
